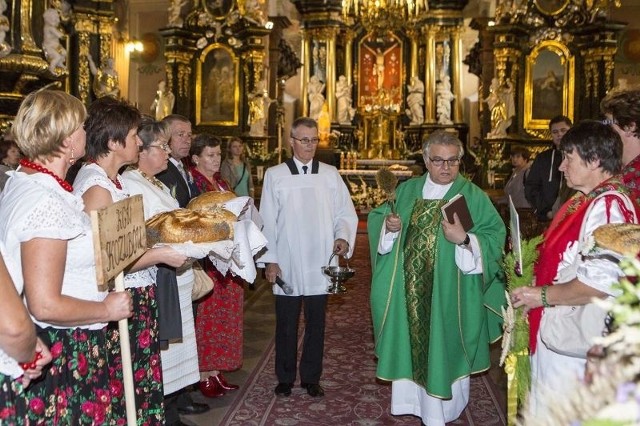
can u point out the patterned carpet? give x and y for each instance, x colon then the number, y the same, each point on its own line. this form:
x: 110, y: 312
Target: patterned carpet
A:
x: 353, y: 396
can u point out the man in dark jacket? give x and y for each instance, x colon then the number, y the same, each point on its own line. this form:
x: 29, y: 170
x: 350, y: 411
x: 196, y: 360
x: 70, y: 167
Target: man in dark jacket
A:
x: 544, y: 180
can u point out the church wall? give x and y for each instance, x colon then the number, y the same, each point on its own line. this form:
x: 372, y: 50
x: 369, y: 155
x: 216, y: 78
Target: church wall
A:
x: 628, y: 57
x: 146, y: 69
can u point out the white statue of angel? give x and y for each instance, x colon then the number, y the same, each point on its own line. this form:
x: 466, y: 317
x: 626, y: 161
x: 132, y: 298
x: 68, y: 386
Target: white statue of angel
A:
x: 54, y: 52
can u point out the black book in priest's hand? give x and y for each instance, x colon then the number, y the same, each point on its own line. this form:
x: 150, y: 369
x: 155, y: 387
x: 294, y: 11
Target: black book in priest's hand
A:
x: 458, y: 204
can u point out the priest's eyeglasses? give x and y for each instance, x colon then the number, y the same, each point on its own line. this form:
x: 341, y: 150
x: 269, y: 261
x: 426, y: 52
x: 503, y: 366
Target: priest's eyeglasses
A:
x: 307, y: 141
x: 439, y: 162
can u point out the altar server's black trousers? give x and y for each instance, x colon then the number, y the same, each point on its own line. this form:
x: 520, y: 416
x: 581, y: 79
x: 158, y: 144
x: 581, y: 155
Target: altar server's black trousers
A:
x: 287, y: 317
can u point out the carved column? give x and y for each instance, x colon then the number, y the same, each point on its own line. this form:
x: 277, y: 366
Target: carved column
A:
x: 179, y: 53
x: 348, y: 60
x: 413, y: 60
x: 306, y: 71
x: 456, y: 64
x: 330, y: 38
x: 430, y: 75
x: 84, y: 27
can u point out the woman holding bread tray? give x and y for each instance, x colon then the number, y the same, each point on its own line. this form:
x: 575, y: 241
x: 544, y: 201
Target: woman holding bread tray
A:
x: 113, y: 142
x: 179, y: 360
x: 569, y: 275
x: 219, y: 314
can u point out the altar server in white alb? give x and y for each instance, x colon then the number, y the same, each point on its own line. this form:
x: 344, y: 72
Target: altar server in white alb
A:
x: 308, y: 215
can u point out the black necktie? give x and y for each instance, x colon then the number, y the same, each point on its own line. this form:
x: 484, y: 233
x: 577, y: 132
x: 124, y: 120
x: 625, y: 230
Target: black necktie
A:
x: 304, y: 169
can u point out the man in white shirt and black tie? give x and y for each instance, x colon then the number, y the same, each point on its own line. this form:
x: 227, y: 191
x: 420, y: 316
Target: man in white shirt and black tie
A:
x: 308, y: 215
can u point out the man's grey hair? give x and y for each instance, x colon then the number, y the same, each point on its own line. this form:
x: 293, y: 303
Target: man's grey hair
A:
x: 442, y: 137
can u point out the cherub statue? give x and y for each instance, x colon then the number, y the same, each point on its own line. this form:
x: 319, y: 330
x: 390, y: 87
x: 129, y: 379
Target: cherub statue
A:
x: 253, y: 12
x: 105, y: 79
x: 55, y: 54
x: 415, y: 101
x: 175, y: 10
x: 162, y: 105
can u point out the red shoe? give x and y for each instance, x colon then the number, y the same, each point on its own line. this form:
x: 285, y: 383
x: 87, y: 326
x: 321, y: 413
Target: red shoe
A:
x: 222, y: 382
x: 211, y: 388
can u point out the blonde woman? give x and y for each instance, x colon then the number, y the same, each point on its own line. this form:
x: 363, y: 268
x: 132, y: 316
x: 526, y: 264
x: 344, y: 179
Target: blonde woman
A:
x: 236, y: 170
x: 48, y: 245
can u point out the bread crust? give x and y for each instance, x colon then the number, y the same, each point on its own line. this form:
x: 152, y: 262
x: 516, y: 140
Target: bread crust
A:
x: 623, y: 238
x: 181, y: 225
x: 210, y: 199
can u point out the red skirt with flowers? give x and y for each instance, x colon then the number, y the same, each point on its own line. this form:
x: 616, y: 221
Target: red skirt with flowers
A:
x: 145, y: 359
x: 13, y: 404
x: 219, y: 323
x: 75, y: 389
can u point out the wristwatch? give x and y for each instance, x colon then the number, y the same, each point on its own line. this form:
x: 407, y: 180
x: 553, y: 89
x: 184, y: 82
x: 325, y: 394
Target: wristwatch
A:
x: 466, y: 241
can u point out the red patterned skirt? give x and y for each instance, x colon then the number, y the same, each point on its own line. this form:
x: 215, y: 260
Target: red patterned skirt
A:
x: 219, y: 324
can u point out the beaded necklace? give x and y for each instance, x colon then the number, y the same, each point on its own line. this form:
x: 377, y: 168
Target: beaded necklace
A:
x: 154, y: 180
x: 38, y: 168
x: 115, y: 181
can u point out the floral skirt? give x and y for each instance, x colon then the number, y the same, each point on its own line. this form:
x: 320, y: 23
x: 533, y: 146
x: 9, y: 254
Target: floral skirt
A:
x: 219, y: 324
x: 13, y: 404
x: 76, y: 389
x: 145, y: 358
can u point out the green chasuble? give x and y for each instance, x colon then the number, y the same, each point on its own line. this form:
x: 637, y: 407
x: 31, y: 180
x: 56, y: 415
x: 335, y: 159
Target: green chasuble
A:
x: 433, y: 324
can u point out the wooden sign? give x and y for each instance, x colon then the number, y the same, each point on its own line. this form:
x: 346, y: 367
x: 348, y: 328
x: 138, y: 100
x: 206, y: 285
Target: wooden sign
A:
x: 119, y: 237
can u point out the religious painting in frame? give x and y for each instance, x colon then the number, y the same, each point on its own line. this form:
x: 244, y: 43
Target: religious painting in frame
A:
x: 217, y: 87
x: 549, y: 86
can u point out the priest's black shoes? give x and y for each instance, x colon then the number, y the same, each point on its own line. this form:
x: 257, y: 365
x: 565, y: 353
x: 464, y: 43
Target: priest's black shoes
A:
x: 283, y: 389
x: 313, y: 389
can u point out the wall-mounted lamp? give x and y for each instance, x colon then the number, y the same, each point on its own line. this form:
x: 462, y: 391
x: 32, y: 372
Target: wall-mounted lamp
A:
x: 133, y: 46
x: 269, y: 25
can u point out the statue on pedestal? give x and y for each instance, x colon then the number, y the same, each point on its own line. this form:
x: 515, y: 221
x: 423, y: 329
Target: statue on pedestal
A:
x: 55, y: 54
x: 415, y: 101
x: 162, y: 105
x: 502, y: 107
x: 105, y: 79
x: 444, y: 97
x: 316, y: 98
x: 259, y: 102
x: 343, y: 96
x: 175, y: 10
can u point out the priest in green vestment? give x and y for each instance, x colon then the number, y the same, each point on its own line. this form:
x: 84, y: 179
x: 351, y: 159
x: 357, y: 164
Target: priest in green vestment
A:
x: 437, y: 289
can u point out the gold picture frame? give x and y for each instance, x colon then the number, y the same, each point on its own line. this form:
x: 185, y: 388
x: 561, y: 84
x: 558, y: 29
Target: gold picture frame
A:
x: 549, y: 86
x: 217, y: 86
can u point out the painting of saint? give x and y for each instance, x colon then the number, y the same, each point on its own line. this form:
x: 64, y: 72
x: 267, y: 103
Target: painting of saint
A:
x: 548, y: 83
x: 218, y: 100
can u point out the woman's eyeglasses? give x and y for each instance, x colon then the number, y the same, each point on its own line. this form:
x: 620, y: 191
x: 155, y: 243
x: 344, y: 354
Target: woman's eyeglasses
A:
x: 164, y: 146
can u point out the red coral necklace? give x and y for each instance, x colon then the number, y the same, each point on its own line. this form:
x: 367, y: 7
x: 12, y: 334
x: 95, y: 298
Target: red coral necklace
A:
x: 38, y: 168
